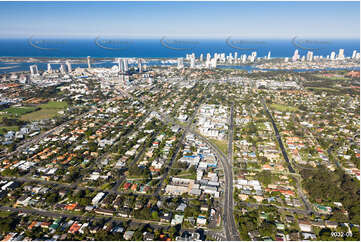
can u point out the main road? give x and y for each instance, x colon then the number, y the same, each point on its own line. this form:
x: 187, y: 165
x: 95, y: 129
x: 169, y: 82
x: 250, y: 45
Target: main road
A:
x: 230, y: 136
x: 234, y: 235
x: 284, y: 153
x: 307, y: 204
x: 186, y: 129
x: 228, y: 218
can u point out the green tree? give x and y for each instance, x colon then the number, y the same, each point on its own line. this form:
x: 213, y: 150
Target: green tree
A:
x: 155, y: 215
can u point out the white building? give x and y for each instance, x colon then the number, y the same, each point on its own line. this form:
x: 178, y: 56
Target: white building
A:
x: 309, y: 56
x: 68, y: 64
x: 341, y: 55
x: 354, y: 54
x: 89, y: 62
x: 180, y: 64
x: 98, y: 198
x: 49, y: 68
x: 34, y: 70
x: 296, y: 56
x: 192, y: 64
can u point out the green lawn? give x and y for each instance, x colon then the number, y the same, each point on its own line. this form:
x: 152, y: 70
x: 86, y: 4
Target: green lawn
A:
x: 184, y: 172
x: 18, y: 111
x: 42, y: 111
x: 5, y: 214
x: 5, y: 129
x: 326, y: 89
x: 332, y: 77
x: 283, y: 108
x: 106, y: 186
x: 54, y: 105
x: 41, y: 114
x: 190, y: 176
x: 260, y: 125
x: 48, y: 110
x: 221, y: 144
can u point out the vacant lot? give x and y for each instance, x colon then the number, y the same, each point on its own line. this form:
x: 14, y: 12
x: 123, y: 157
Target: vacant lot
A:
x: 222, y: 145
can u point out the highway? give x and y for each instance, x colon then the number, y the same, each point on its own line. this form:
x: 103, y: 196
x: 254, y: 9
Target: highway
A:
x: 228, y: 218
x: 230, y: 136
x: 234, y: 235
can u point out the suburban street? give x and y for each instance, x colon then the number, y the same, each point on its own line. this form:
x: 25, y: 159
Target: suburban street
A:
x: 41, y: 136
x: 278, y: 137
x: 133, y: 222
x: 285, y: 156
x: 228, y: 217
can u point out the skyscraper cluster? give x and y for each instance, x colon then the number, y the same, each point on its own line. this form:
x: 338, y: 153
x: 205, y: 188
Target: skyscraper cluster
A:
x: 211, y: 62
x: 64, y: 68
x: 310, y: 57
x: 232, y: 58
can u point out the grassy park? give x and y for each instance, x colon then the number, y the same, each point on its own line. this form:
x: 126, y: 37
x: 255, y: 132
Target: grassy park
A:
x: 28, y: 113
x: 47, y: 110
x: 283, y: 108
x: 17, y: 111
x: 334, y: 78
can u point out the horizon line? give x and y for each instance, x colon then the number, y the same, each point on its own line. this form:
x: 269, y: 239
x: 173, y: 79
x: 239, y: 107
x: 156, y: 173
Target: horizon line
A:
x: 179, y: 37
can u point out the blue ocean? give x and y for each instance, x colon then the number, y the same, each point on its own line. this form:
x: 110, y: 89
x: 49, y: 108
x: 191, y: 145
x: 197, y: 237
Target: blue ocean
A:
x: 163, y: 47
x: 167, y: 48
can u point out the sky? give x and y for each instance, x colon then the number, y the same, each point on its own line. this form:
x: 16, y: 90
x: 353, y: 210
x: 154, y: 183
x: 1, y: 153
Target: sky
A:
x: 275, y: 20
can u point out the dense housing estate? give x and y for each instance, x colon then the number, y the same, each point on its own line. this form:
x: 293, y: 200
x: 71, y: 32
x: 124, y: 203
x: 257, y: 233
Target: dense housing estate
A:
x: 190, y: 152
